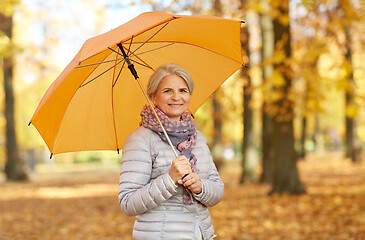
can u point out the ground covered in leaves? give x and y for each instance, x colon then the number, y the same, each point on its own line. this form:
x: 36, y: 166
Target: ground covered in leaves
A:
x: 83, y: 205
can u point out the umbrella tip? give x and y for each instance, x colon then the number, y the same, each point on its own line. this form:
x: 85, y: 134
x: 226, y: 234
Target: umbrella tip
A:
x: 243, y: 21
x: 118, y: 150
x: 51, y: 156
x: 29, y: 123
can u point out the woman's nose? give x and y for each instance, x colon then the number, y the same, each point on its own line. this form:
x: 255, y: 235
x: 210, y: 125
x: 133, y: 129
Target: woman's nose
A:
x: 175, y: 96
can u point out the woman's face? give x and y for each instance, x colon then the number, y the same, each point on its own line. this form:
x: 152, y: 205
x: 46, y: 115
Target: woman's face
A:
x: 172, y: 97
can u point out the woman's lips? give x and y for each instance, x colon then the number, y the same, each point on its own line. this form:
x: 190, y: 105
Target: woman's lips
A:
x: 175, y: 105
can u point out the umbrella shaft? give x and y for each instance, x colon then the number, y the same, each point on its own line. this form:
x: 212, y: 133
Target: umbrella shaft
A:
x: 158, y: 119
x: 134, y: 73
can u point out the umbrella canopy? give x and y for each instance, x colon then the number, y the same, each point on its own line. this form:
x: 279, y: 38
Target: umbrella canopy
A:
x: 94, y: 104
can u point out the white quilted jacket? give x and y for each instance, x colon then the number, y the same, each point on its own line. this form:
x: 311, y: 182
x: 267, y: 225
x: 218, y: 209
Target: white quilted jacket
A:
x: 145, y: 190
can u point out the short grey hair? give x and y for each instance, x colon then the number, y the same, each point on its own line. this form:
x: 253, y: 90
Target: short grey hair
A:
x: 168, y: 70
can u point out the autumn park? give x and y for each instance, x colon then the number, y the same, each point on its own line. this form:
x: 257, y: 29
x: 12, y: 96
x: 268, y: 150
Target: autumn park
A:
x: 285, y: 127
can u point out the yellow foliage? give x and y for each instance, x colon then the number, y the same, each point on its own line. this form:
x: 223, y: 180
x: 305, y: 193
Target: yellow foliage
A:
x: 277, y: 79
x: 7, y: 6
x: 318, y: 59
x: 311, y: 4
x: 314, y: 105
x: 352, y: 111
x: 256, y: 6
x: 4, y: 45
x: 83, y: 205
x: 278, y: 57
x: 284, y: 19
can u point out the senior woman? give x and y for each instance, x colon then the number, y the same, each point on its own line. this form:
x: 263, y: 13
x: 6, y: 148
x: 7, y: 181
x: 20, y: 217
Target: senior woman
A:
x: 169, y: 196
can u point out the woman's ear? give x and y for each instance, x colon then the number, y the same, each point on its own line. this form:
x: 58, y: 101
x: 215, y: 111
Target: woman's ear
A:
x: 153, y: 99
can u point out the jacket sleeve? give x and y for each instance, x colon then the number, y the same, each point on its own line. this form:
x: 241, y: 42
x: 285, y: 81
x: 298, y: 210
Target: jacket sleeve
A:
x: 137, y: 192
x: 213, y: 187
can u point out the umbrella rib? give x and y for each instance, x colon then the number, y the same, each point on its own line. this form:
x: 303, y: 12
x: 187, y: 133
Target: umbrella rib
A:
x: 111, y: 49
x: 93, y: 64
x: 115, y: 82
x: 129, y: 51
x: 154, y: 35
x: 130, y: 44
x: 210, y: 50
x: 143, y: 65
x: 170, y: 44
x: 131, y: 40
x: 137, y: 54
x: 101, y: 73
x: 112, y: 102
x: 198, y: 46
x: 169, y: 20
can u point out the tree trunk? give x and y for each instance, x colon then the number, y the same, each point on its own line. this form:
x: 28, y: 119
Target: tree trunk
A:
x: 353, y: 143
x: 249, y: 161
x: 267, y: 33
x: 353, y: 149
x: 266, y: 138
x: 14, y: 167
x: 285, y: 173
x: 217, y: 150
x: 217, y: 121
x: 284, y: 164
x: 303, y: 137
x: 316, y: 134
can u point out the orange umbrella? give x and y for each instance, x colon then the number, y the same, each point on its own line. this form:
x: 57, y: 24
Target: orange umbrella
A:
x: 94, y: 104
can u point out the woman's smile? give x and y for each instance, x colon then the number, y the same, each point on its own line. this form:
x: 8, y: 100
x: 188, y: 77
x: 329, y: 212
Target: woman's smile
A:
x: 175, y: 105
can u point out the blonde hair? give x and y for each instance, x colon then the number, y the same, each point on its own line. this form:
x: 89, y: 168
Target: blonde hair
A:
x: 168, y: 70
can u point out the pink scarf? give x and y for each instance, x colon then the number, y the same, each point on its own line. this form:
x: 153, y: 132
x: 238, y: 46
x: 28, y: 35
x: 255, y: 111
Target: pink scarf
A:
x: 182, y: 135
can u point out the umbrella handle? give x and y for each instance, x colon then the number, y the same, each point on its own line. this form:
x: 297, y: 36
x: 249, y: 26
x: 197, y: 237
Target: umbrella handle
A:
x: 134, y: 73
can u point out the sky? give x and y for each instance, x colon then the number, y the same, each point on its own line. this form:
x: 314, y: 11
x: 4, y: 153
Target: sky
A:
x: 68, y: 23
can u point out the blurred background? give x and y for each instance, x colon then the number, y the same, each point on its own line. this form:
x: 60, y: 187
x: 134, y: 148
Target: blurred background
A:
x: 298, y: 104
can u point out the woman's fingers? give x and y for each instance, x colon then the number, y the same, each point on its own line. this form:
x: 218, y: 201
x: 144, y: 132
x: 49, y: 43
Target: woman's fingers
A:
x: 192, y: 182
x: 179, y: 168
x: 182, y: 165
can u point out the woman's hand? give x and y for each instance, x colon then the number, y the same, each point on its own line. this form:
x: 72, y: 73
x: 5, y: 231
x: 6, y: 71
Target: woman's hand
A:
x: 192, y: 182
x: 179, y: 168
